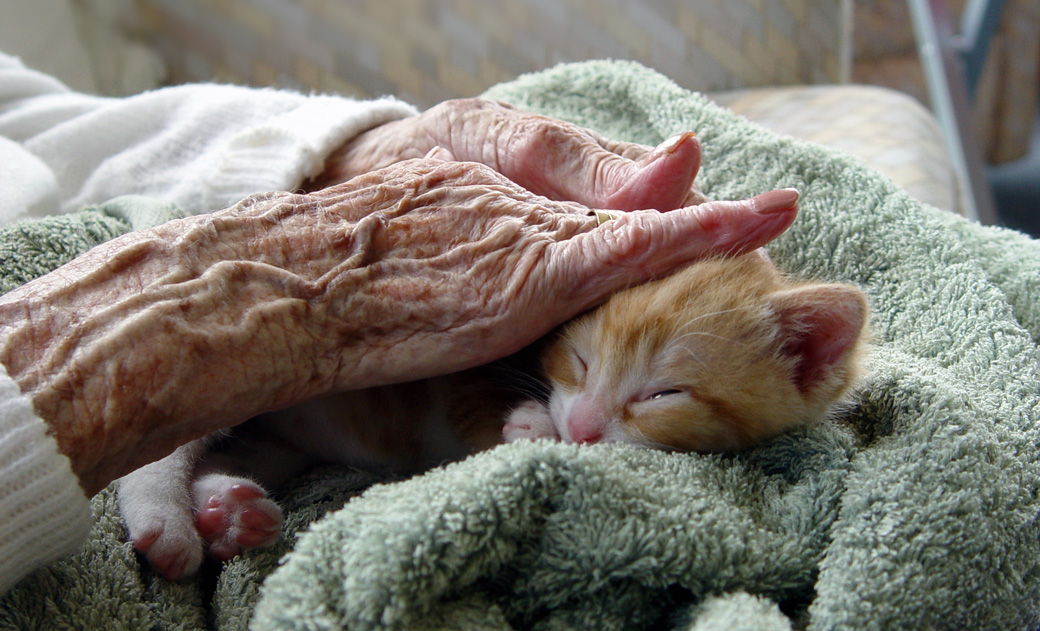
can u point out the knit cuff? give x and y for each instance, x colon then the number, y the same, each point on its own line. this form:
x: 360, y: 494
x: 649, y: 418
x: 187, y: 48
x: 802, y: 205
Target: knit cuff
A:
x: 44, y: 514
x: 281, y: 153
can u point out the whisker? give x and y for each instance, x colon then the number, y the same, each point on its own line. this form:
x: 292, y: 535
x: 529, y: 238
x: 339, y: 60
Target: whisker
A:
x: 694, y: 357
x: 706, y: 334
x: 516, y: 380
x: 689, y: 323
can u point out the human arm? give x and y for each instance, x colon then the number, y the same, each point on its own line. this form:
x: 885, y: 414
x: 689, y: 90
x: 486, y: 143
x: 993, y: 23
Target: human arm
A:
x: 421, y: 268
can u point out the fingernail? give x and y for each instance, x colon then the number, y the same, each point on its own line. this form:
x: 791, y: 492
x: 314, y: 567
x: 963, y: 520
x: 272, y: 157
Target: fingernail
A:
x: 670, y: 146
x: 775, y: 201
x: 439, y: 153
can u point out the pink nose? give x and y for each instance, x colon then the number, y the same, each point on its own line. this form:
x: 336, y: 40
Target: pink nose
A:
x: 586, y: 423
x: 580, y: 434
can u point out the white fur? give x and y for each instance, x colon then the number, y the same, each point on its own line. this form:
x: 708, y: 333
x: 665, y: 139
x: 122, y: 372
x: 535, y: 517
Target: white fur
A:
x: 156, y: 505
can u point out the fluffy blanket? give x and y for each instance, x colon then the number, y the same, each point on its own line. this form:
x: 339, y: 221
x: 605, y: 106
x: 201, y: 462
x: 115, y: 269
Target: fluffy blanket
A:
x: 915, y: 508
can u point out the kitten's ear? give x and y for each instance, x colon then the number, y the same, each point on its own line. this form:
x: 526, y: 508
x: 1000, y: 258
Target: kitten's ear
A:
x: 820, y: 326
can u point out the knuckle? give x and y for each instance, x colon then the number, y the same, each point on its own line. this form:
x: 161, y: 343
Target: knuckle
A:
x: 454, y: 109
x: 550, y: 132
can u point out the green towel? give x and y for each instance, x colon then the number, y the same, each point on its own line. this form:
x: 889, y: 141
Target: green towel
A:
x: 914, y: 509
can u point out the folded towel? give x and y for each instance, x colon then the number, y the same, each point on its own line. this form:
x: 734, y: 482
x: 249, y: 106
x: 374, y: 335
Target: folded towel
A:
x: 915, y: 508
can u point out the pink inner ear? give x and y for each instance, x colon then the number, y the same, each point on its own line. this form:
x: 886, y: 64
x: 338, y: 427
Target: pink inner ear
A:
x: 821, y: 324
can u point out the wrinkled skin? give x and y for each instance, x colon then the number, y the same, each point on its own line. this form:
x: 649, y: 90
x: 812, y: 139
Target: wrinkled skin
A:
x: 418, y: 268
x: 550, y: 157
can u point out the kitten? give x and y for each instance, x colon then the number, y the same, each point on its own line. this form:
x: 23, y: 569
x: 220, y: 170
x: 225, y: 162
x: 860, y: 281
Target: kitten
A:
x: 721, y: 355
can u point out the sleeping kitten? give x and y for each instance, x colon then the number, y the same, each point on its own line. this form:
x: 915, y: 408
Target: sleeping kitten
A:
x: 723, y: 354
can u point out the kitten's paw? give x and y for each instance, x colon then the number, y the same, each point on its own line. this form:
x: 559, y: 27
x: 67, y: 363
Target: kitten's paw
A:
x: 529, y: 420
x: 170, y: 543
x: 156, y: 505
x: 234, y: 514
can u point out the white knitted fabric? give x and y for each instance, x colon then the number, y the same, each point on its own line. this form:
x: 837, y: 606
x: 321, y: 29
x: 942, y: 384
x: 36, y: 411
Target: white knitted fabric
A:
x: 43, y: 511
x: 202, y: 147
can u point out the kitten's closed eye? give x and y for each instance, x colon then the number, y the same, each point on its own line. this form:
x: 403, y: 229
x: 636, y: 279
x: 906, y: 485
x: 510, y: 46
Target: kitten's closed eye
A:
x: 581, y: 368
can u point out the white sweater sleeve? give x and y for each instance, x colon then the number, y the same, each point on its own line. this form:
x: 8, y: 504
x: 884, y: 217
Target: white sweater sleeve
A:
x: 43, y: 511
x: 202, y: 147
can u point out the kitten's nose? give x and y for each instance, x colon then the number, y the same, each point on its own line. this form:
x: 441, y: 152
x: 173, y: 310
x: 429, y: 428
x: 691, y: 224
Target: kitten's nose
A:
x: 586, y: 423
x: 585, y: 434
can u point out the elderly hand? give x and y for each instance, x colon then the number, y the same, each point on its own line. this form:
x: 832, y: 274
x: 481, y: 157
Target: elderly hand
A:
x: 420, y: 268
x: 548, y: 157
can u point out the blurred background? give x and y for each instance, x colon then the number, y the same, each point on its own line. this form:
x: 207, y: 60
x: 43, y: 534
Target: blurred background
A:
x: 796, y: 66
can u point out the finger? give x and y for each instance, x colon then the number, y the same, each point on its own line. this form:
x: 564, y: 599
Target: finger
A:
x: 640, y: 153
x: 440, y: 153
x: 662, y: 180
x: 628, y: 150
x: 643, y: 245
x: 564, y: 162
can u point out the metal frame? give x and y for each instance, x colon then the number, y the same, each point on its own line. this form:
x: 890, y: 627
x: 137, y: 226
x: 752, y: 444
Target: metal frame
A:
x: 978, y: 24
x: 951, y: 80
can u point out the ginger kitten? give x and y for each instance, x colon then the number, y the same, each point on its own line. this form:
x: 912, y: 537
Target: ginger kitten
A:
x: 721, y: 355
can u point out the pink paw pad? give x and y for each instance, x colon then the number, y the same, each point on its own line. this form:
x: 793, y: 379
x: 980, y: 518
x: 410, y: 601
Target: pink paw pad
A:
x: 238, y: 518
x: 172, y: 562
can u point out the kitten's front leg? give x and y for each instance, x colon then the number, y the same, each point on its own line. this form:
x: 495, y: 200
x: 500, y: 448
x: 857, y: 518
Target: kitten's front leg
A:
x: 530, y: 420
x: 155, y: 501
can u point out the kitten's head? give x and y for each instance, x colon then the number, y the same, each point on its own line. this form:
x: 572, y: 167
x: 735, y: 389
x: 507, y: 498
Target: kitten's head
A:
x: 720, y: 355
